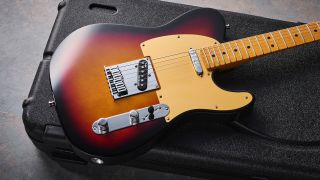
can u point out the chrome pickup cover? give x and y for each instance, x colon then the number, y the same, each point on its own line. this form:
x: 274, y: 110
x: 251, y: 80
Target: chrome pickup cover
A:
x: 195, y: 61
x: 131, y: 78
x: 132, y: 118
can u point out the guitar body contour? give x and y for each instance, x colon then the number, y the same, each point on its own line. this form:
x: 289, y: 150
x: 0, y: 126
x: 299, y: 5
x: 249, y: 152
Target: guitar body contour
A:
x: 81, y: 89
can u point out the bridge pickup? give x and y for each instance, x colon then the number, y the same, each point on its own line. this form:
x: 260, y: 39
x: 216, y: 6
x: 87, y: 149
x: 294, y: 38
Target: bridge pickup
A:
x: 131, y: 78
x: 142, y: 83
x: 195, y: 61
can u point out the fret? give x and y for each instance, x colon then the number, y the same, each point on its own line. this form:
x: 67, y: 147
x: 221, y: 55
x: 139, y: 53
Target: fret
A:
x: 255, y: 54
x: 236, y: 50
x: 245, y: 49
x: 206, y: 58
x: 255, y: 45
x: 300, y: 34
x: 315, y: 30
x: 242, y: 50
x: 292, y: 37
x: 309, y: 31
x: 211, y: 59
x: 285, y: 43
x: 231, y: 49
x: 271, y: 43
x: 225, y: 53
x: 274, y: 40
x: 264, y: 44
x: 218, y: 55
x: 239, y: 50
x: 286, y: 36
x: 259, y: 45
x: 306, y: 34
x: 297, y: 38
x: 280, y: 41
x: 225, y: 62
x: 214, y: 57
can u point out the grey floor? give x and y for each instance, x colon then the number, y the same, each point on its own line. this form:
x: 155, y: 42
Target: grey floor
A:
x: 24, y: 29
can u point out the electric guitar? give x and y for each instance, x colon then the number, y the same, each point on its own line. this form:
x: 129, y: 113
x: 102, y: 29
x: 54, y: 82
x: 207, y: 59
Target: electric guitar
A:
x: 117, y: 87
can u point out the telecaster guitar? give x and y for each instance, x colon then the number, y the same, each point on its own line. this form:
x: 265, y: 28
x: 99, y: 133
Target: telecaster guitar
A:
x: 117, y: 87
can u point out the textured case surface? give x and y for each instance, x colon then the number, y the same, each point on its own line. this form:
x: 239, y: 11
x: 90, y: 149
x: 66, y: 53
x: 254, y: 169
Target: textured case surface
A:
x: 286, y: 86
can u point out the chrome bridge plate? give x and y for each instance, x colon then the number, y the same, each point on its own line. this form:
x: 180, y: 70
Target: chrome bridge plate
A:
x: 132, y: 118
x: 131, y: 78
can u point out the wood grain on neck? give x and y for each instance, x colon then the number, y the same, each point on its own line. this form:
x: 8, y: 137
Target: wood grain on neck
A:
x: 239, y: 51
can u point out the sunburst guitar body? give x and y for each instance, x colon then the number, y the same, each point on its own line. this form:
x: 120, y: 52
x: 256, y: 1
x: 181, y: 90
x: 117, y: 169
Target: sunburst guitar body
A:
x: 116, y: 87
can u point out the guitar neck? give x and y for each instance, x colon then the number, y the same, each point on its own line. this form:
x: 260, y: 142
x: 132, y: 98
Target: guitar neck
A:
x: 239, y: 51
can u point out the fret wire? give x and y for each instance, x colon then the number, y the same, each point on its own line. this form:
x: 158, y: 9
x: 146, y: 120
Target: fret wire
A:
x: 266, y: 42
x: 252, y: 47
x: 274, y: 40
x: 318, y: 24
x: 215, y: 54
x: 222, y: 55
x: 245, y: 48
x: 205, y: 55
x: 310, y: 31
x: 226, y: 51
x: 211, y: 57
x: 283, y: 39
x: 291, y: 37
x: 235, y: 57
x: 259, y: 44
x: 239, y: 49
x: 300, y: 34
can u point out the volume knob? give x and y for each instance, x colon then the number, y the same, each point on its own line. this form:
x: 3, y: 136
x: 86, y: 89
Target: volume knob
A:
x: 134, y: 117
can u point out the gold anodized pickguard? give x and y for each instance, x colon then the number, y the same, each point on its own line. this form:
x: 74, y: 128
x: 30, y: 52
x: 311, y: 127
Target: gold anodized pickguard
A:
x: 180, y: 86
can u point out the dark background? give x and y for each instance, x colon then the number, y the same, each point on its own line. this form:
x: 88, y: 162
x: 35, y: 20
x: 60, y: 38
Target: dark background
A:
x: 25, y: 26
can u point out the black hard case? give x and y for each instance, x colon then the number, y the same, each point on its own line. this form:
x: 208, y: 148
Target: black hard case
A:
x: 279, y: 139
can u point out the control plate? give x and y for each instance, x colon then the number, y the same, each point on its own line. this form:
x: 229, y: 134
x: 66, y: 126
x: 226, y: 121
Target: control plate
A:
x: 132, y: 118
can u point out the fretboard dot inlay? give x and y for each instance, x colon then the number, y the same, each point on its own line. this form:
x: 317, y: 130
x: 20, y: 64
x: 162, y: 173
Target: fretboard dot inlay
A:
x: 223, y: 53
x: 296, y: 35
x: 315, y: 30
x: 213, y: 55
x: 235, y: 50
x: 272, y: 45
x: 268, y: 37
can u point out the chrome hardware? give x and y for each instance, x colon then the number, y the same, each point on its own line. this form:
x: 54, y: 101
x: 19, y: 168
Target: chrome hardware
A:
x: 131, y: 78
x: 195, y: 61
x: 116, y: 83
x: 132, y: 118
x: 97, y: 161
x: 228, y: 26
x: 52, y: 103
x: 142, y: 81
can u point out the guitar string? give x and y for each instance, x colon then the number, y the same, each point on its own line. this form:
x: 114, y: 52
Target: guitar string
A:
x: 276, y: 37
x: 184, y: 63
x: 217, y: 46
